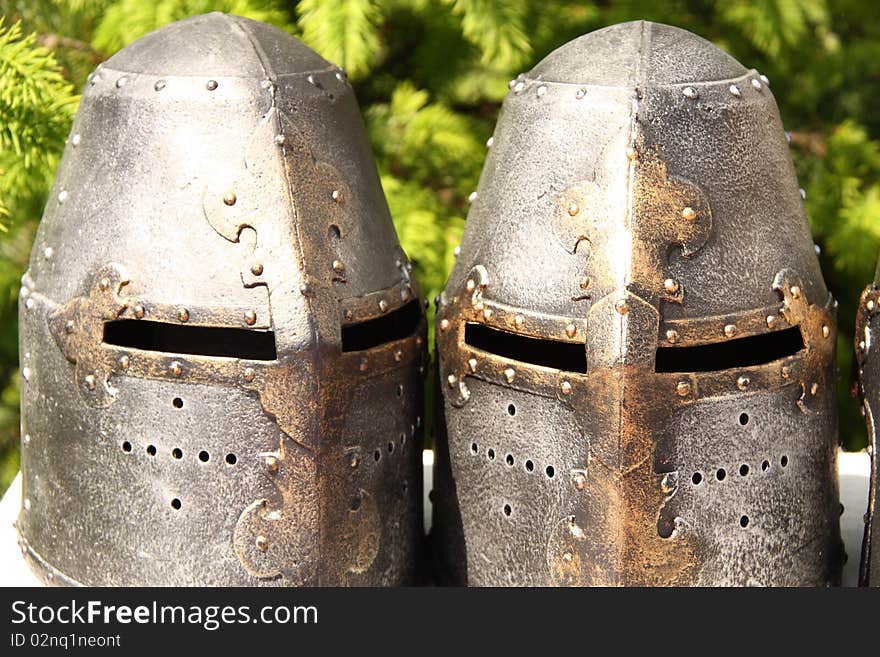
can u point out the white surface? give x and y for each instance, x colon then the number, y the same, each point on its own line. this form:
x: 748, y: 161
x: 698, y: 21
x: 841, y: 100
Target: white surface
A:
x: 854, y: 467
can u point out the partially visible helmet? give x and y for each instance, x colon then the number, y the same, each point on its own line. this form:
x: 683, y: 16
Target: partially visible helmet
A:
x: 867, y: 355
x: 221, y: 344
x: 636, y: 344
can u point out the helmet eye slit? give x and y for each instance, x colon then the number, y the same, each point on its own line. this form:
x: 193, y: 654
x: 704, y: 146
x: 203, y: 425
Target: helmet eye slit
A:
x: 567, y: 356
x: 748, y: 351
x: 395, y: 325
x: 214, y: 341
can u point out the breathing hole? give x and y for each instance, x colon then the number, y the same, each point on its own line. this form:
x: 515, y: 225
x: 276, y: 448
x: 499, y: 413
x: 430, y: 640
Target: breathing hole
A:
x: 507, y: 510
x: 176, y: 504
x: 400, y: 391
x: 509, y: 459
x: 783, y: 461
x: 697, y: 478
x: 177, y: 453
x: 550, y: 471
x: 474, y: 448
x: 511, y: 409
x: 721, y: 474
x: 765, y: 466
x: 204, y: 456
x: 231, y: 459
x: 491, y: 454
x: 665, y: 527
x: 530, y: 466
x: 402, y: 439
x: 744, y: 419
x: 390, y: 447
x: 743, y: 469
x: 377, y: 455
x: 744, y: 521
x: 355, y: 503
x: 177, y: 402
x: 151, y: 450
x: 126, y: 446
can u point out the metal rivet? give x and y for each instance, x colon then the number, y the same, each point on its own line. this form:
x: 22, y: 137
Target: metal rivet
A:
x: 262, y: 543
x: 91, y: 381
x: 121, y: 82
x: 348, y: 314
x: 786, y: 371
x: 249, y: 374
x: 29, y: 304
x: 339, y: 266
x: 487, y: 314
x: 518, y: 87
x: 444, y: 324
x: 567, y: 556
x: 48, y: 252
x: 451, y: 380
x: 803, y: 193
x: 456, y: 251
x: 62, y: 196
x: 104, y: 284
x: 689, y: 213
x: 353, y: 461
x: 139, y: 311
x: 735, y: 90
x: 772, y: 320
x: 124, y: 362
x: 160, y: 85
x: 489, y: 142
x: 509, y: 374
x: 398, y: 356
x: 670, y: 286
x: 305, y: 289
x: 518, y: 321
x: 176, y: 368
x: 571, y: 330
x: 729, y: 330
x: 211, y: 85
x: 632, y: 153
x: 69, y: 326
x: 683, y: 388
x: 672, y: 336
x: 271, y: 464
x: 279, y: 139
x: 743, y: 382
x: 870, y: 305
x: 26, y: 373
x: 764, y: 78
x: 75, y: 139
x: 580, y: 93
x: 584, y: 283
x: 405, y: 294
x: 690, y: 92
x: 826, y: 331
x: 27, y: 507
x: 383, y: 305
x: 795, y: 292
x: 250, y: 317
x: 565, y: 386
x: 470, y: 285
x: 472, y: 364
x: 26, y: 439
x: 542, y: 89
x: 257, y: 269
x: 814, y: 388
x: 182, y: 315
x: 573, y: 209
x: 472, y: 197
x: 757, y: 84
x: 336, y: 195
x: 229, y: 198
x: 621, y: 306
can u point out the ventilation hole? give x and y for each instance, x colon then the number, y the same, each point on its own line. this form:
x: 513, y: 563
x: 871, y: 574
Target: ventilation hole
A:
x: 665, y: 527
x: 204, y: 457
x: 744, y: 521
x: 377, y: 455
x: 742, y: 352
x: 743, y: 469
x: 390, y: 447
x: 126, y: 446
x: 402, y: 439
x: 783, y: 461
x: 765, y: 466
x: 176, y: 504
x: 511, y: 409
x: 220, y: 342
x: 334, y: 232
x: 550, y: 471
x: 721, y: 474
x: 177, y: 453
x: 395, y: 325
x: 530, y: 466
x: 355, y: 503
x: 231, y: 459
x: 568, y: 356
x: 400, y: 391
x: 744, y: 419
x: 177, y: 402
x: 507, y: 510
x: 474, y: 447
x: 509, y: 459
x: 151, y: 450
x: 697, y: 478
x: 491, y: 454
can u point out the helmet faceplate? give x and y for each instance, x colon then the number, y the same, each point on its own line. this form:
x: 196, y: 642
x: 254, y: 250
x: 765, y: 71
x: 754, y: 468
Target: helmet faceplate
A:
x: 221, y: 344
x: 636, y: 344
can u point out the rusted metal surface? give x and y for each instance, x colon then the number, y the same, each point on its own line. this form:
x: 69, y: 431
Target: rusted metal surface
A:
x: 638, y: 194
x: 218, y: 175
x: 867, y: 326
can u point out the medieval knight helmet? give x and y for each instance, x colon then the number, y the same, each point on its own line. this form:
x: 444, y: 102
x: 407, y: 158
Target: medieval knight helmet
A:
x: 221, y: 345
x: 867, y: 353
x: 636, y: 344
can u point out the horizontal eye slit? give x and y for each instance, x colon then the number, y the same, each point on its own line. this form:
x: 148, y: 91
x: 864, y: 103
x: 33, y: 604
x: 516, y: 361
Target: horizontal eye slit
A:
x: 216, y: 341
x: 731, y: 354
x: 396, y: 325
x: 567, y: 356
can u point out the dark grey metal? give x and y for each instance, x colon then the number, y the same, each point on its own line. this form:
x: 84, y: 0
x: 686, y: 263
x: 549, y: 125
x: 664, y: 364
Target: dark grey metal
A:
x: 218, y: 175
x: 867, y: 349
x: 638, y: 194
